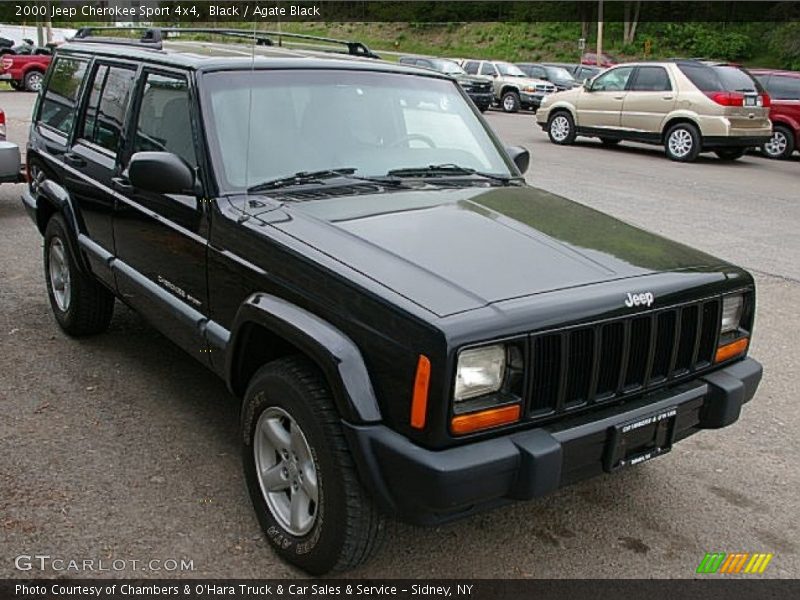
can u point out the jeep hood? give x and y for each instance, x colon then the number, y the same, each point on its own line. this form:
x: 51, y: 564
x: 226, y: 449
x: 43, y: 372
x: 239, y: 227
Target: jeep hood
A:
x: 452, y: 250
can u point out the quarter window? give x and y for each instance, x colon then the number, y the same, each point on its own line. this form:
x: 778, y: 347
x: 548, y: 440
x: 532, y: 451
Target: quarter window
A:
x: 652, y: 79
x: 107, y: 106
x: 58, y: 103
x: 614, y: 80
x: 164, y: 124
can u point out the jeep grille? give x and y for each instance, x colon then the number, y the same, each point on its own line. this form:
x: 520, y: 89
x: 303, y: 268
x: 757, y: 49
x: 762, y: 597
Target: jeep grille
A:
x: 587, y: 365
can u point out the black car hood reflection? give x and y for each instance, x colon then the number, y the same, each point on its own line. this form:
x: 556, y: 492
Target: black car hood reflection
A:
x: 452, y: 250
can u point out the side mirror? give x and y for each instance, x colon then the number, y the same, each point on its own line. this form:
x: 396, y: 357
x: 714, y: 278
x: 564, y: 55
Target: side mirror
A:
x: 520, y: 156
x: 587, y: 85
x: 161, y: 172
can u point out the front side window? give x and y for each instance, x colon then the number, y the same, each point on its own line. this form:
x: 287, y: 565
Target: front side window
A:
x: 652, y: 79
x: 164, y: 124
x: 487, y: 69
x: 471, y: 67
x: 58, y: 103
x: 614, y: 80
x: 267, y: 125
x: 107, y: 106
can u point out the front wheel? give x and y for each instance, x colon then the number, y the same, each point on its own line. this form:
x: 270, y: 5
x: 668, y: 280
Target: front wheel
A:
x: 730, y: 154
x: 300, y: 474
x: 80, y: 304
x: 510, y: 102
x: 33, y: 81
x: 561, y: 128
x: 780, y: 145
x: 682, y: 142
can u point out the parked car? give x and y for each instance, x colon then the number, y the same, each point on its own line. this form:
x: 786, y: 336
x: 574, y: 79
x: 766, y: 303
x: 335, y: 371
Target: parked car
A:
x: 582, y: 73
x: 24, y: 71
x: 783, y: 88
x: 605, y: 60
x: 479, y: 90
x: 512, y: 88
x: 688, y: 106
x: 412, y: 330
x: 557, y: 75
x: 9, y: 156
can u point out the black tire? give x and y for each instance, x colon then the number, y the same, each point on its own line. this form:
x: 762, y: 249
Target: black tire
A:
x: 90, y: 306
x: 15, y: 85
x: 561, y: 128
x: 32, y: 82
x: 781, y: 145
x: 348, y: 527
x: 682, y: 142
x: 610, y: 142
x: 730, y: 154
x: 510, y: 102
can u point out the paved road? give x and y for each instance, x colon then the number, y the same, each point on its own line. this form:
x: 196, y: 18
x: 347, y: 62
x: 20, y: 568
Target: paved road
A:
x: 122, y: 447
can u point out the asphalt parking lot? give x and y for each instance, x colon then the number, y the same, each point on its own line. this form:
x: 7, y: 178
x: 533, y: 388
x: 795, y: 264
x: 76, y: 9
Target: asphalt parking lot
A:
x: 123, y: 447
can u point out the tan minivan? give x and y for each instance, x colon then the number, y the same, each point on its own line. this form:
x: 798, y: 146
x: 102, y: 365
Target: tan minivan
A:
x: 689, y: 106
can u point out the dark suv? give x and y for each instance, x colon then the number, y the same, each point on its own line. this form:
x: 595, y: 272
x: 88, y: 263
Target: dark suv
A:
x: 411, y: 330
x: 478, y: 90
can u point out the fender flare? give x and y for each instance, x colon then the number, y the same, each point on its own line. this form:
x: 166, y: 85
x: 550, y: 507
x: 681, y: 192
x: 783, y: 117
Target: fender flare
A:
x: 334, y: 352
x: 58, y: 197
x: 786, y: 121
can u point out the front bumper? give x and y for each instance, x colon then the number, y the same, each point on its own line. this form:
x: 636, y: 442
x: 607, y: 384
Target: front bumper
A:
x: 482, y: 99
x: 427, y: 486
x: 9, y: 163
x: 531, y: 100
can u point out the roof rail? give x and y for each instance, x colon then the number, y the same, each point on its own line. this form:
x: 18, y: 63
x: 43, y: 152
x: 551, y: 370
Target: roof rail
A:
x: 153, y: 37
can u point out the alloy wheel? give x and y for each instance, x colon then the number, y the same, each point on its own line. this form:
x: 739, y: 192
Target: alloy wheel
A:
x: 777, y: 144
x: 559, y: 128
x: 60, y: 281
x: 680, y: 143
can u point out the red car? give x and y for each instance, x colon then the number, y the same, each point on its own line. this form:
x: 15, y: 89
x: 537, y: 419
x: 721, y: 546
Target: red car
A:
x: 606, y: 60
x: 784, y: 89
x: 25, y: 71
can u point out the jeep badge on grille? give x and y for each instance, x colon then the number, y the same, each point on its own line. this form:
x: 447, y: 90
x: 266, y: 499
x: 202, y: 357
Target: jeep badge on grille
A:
x: 643, y: 299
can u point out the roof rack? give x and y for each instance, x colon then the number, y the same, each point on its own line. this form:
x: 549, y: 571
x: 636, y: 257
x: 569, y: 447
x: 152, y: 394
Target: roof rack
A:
x: 153, y: 37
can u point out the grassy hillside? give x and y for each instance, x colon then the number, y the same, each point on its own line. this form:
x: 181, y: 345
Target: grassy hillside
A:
x: 762, y: 44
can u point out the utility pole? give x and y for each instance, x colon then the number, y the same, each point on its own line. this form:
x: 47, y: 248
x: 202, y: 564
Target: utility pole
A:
x: 599, y: 32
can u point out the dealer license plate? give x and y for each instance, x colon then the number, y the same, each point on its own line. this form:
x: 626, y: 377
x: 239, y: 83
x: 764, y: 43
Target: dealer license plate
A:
x: 640, y: 440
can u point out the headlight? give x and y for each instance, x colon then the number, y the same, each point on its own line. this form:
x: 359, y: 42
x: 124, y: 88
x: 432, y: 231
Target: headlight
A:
x: 732, y: 308
x: 529, y: 89
x: 480, y: 371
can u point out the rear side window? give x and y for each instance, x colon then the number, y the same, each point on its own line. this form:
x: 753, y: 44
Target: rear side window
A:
x: 58, y: 103
x: 107, y: 107
x: 782, y: 87
x: 164, y: 124
x: 651, y: 79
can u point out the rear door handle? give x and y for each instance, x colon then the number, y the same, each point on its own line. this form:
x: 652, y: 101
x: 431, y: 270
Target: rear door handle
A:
x: 74, y: 160
x: 121, y: 184
x: 618, y: 97
x: 668, y: 97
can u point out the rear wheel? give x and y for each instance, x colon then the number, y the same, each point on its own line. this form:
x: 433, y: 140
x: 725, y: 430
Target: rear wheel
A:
x: 80, y: 304
x: 300, y: 473
x: 781, y: 144
x: 729, y: 154
x: 33, y: 81
x: 510, y: 102
x: 561, y: 128
x: 682, y: 142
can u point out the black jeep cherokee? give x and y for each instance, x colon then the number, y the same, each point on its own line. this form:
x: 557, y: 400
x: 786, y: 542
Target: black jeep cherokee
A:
x: 412, y: 330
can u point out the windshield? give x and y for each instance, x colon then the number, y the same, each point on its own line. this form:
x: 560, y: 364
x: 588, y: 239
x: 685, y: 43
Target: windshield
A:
x: 509, y: 70
x: 266, y: 125
x: 448, y: 67
x: 559, y: 74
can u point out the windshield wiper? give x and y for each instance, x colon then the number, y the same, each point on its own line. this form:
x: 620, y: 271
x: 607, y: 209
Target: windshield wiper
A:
x: 448, y: 170
x: 300, y: 178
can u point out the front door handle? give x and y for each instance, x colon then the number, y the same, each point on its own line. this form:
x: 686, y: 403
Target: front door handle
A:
x: 668, y: 97
x: 74, y: 160
x: 618, y: 97
x: 121, y: 184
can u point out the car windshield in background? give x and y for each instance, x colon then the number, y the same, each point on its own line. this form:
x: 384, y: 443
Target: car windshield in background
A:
x: 558, y: 74
x: 449, y: 67
x: 270, y: 125
x: 717, y: 78
x: 509, y: 70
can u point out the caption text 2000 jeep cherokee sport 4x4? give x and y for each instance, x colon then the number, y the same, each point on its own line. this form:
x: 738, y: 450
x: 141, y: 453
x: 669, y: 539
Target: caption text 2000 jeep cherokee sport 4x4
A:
x: 412, y: 330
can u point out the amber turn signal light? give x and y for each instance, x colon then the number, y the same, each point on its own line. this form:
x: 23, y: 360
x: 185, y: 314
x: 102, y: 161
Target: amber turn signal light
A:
x: 731, y: 350
x: 419, y: 401
x: 485, y: 419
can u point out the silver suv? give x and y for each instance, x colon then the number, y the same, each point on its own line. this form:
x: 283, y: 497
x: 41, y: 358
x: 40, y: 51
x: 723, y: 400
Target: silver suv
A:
x: 512, y: 88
